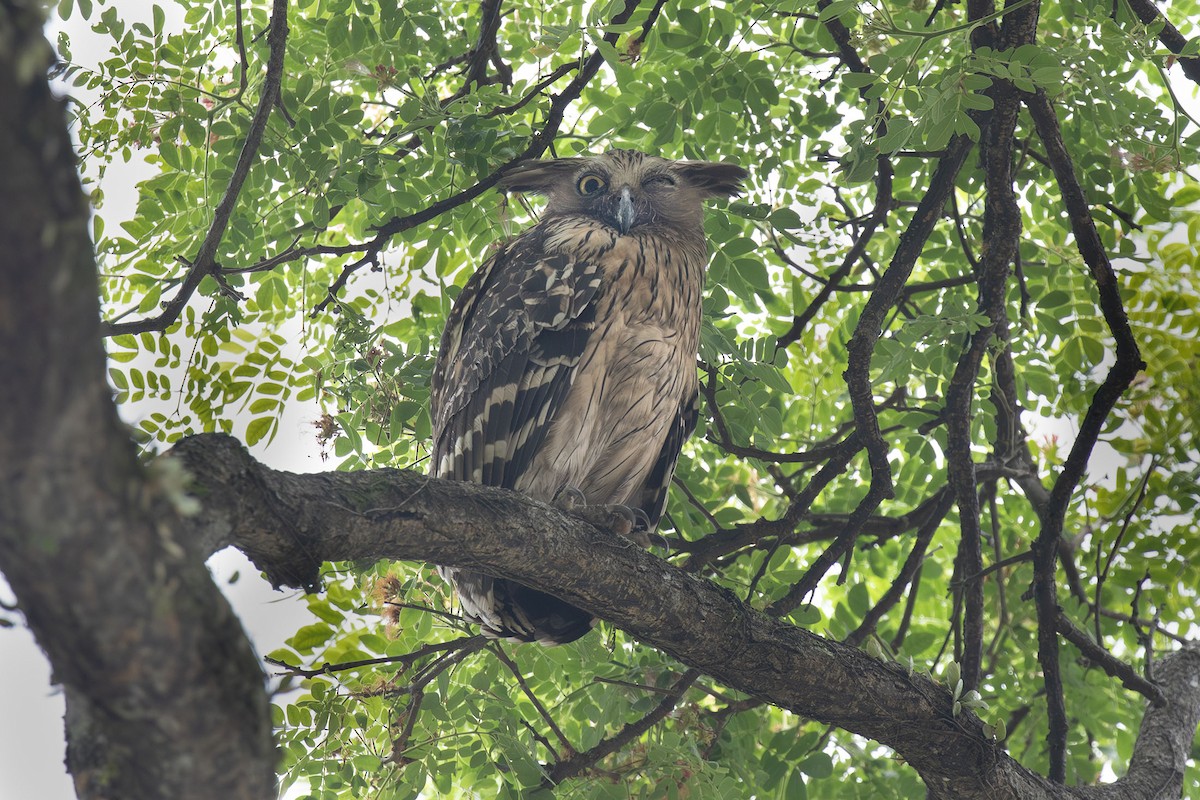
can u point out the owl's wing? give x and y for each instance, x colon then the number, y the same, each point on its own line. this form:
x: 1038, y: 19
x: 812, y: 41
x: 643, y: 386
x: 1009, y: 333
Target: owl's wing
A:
x: 507, y: 358
x: 653, y: 497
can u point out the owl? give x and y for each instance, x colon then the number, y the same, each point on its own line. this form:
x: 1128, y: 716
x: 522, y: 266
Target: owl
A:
x: 568, y: 362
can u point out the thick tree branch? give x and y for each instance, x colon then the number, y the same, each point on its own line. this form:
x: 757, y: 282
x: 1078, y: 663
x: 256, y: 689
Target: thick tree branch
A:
x: 1001, y: 236
x: 165, y: 697
x: 1001, y: 231
x: 289, y: 524
x: 1164, y: 743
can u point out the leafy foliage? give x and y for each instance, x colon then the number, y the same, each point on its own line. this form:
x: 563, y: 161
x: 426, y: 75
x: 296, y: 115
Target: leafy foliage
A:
x: 364, y: 212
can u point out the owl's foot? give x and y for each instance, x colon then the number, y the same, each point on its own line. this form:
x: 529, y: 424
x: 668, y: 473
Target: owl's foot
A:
x: 623, y: 520
x: 568, y: 499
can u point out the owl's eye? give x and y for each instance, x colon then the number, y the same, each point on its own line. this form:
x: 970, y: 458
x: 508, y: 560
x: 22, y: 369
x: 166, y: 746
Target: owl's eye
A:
x: 590, y: 184
x: 659, y: 180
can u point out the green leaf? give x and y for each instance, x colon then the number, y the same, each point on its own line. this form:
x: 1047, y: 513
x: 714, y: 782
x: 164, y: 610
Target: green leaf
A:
x: 327, y: 613
x: 260, y: 428
x: 837, y: 8
x: 818, y: 765
x: 1186, y: 195
x: 785, y: 219
x: 311, y: 636
x: 857, y: 80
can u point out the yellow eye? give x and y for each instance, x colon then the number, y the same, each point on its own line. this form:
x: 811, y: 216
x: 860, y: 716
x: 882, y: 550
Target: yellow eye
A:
x: 590, y: 184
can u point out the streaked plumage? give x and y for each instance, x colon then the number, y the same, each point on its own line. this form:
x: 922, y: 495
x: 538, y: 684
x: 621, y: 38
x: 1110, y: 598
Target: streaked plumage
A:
x: 569, y: 358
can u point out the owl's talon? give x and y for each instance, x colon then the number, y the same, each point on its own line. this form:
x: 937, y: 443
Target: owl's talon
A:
x: 621, y: 519
x: 615, y: 518
x: 625, y: 521
x: 644, y: 534
x: 657, y: 540
x: 569, y: 499
x: 642, y: 519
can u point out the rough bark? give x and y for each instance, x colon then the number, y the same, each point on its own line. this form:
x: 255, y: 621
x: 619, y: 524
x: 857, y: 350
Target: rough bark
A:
x: 288, y: 524
x: 164, y: 693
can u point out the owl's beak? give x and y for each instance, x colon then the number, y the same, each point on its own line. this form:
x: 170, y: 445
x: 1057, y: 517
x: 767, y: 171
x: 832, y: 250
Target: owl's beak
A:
x: 625, y: 211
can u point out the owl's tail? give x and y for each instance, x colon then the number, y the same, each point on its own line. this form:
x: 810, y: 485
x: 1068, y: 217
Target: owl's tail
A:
x: 505, y: 609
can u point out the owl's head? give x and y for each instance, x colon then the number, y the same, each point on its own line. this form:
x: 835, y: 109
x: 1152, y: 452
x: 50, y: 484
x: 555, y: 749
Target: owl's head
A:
x: 626, y: 189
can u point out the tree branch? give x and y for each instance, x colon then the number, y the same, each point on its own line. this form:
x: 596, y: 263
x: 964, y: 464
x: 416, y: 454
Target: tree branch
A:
x: 870, y: 322
x: 578, y: 763
x: 908, y: 572
x: 727, y: 541
x: 567, y: 749
x: 884, y: 201
x: 1128, y: 363
x: 288, y: 524
x: 1001, y: 235
x: 405, y: 660
x: 1112, y: 666
x: 205, y: 262
x: 1168, y: 34
x: 883, y: 205
x: 539, y: 143
x: 1164, y: 742
x: 165, y: 697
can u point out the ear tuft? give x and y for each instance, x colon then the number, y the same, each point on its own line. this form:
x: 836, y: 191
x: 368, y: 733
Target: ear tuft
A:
x: 537, y: 177
x: 713, y: 178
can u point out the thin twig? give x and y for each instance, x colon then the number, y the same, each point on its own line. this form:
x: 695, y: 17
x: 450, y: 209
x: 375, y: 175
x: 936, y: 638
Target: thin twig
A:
x: 696, y: 503
x: 1168, y: 34
x: 205, y: 263
x: 1112, y: 666
x: 581, y: 761
x: 404, y: 660
x: 726, y: 541
x: 722, y: 717
x: 240, y: 38
x: 883, y: 205
x: 629, y: 685
x: 567, y: 747
x: 908, y: 572
x: 998, y: 563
